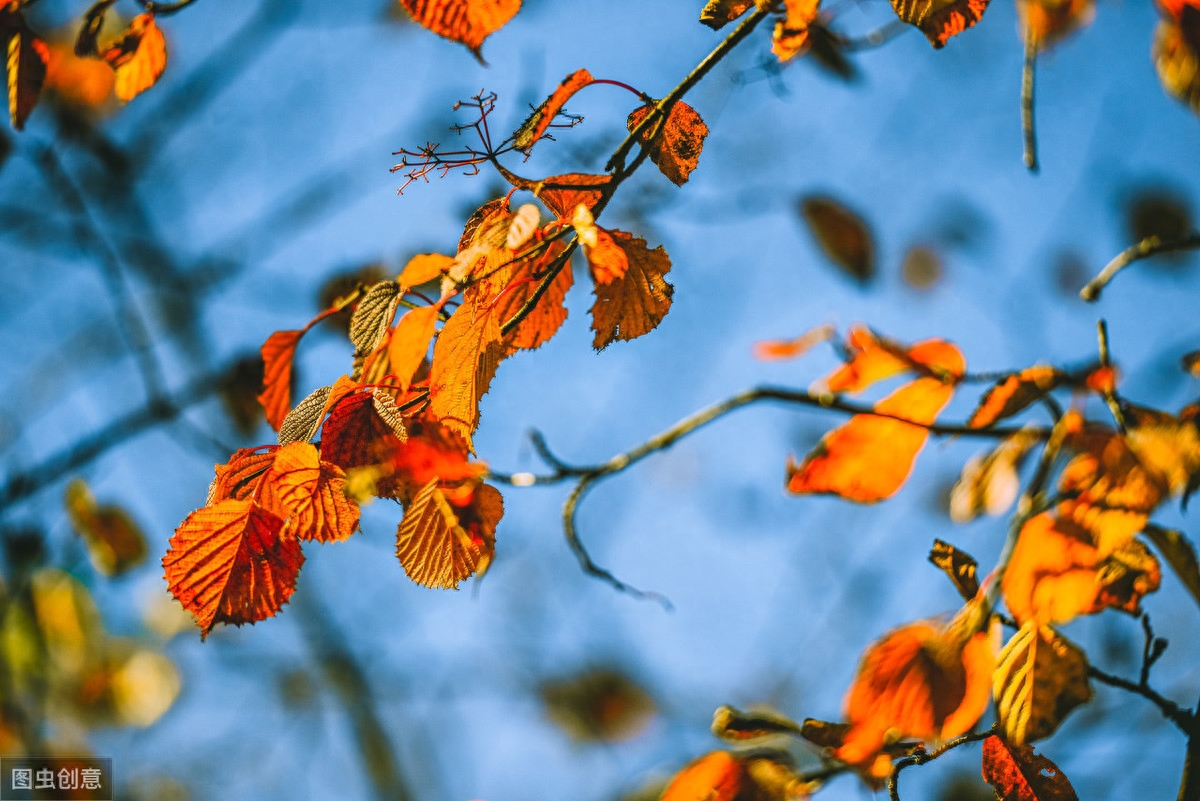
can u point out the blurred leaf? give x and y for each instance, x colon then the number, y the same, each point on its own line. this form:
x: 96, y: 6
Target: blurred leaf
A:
x: 239, y: 393
x: 736, y: 726
x: 114, y: 541
x: 989, y: 483
x: 719, y: 13
x: 138, y: 56
x: 828, y: 50
x: 466, y: 21
x: 716, y: 776
x: 1162, y: 212
x: 958, y: 565
x: 942, y: 19
x: 598, y: 705
x: 1015, y: 393
x: 843, y: 236
x: 921, y: 268
x: 1180, y: 555
x: 779, y: 349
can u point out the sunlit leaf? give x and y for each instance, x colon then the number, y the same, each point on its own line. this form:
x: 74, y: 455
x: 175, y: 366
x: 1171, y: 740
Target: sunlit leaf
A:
x: 26, y: 57
x: 313, y: 493
x: 958, y: 565
x: 842, y: 235
x: 606, y: 260
x: 465, y: 358
x: 228, y: 564
x: 989, y: 482
x: 716, y: 776
x: 85, y: 83
x: 1051, y: 575
x: 302, y: 422
x: 1040, y: 677
x: 737, y: 726
x: 873, y: 358
x: 357, y: 434
x: 1047, y: 22
x: 114, y: 541
x: 1019, y: 774
x: 563, y: 193
x: 1015, y: 393
x: 278, y: 352
x: 439, y: 544
x: 1125, y: 576
x: 409, y: 343
x: 791, y: 34
x: 536, y: 125
x: 239, y: 478
x: 466, y: 21
x: 482, y: 248
x: 719, y: 13
x: 676, y: 147
x: 423, y: 268
x: 636, y: 303
x: 940, y: 19
x: 779, y: 349
x: 433, y: 453
x: 138, y: 56
x: 599, y: 705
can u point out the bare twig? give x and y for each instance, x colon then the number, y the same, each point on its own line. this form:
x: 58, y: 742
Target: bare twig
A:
x: 1150, y: 246
x: 1027, y: 89
x: 1182, y: 718
x: 921, y: 756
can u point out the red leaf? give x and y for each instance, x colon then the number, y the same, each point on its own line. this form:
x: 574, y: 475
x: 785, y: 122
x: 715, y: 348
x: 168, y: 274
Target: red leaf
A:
x: 1019, y: 774
x: 313, y: 494
x: 465, y: 21
x: 240, y: 476
x: 676, y: 147
x: 276, y: 397
x: 534, y: 128
x: 562, y: 193
x: 228, y: 564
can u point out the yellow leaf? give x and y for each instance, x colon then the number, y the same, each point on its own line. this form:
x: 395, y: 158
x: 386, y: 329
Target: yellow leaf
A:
x: 138, y: 56
x: 1041, y: 676
x: 465, y: 358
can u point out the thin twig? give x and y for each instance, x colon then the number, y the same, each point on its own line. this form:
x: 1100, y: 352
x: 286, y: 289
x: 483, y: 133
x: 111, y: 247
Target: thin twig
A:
x: 1150, y: 246
x: 921, y: 756
x: 1184, y: 720
x: 1027, y: 95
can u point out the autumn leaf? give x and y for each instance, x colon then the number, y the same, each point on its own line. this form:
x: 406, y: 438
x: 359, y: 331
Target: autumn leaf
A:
x: 423, y: 268
x: 482, y: 247
x: 1040, y: 677
x: 940, y: 19
x: 779, y: 349
x: 635, y: 303
x: 1014, y: 394
x: 313, y: 493
x: 1051, y: 575
x: 600, y: 705
x: 373, y: 316
x: 410, y: 343
x: 924, y: 681
x: 26, y: 57
x: 302, y: 422
x: 228, y: 564
x: 873, y: 358
x: 1047, y: 22
x: 719, y: 13
x: 84, y: 83
x: 238, y: 479
x: 468, y: 22
x: 1180, y: 555
x: 562, y: 194
x: 1177, y: 59
x: 842, y: 235
x: 544, y: 320
x: 674, y: 145
x: 958, y: 565
x: 364, y: 429
x: 1126, y: 576
x: 870, y: 457
x: 716, y: 776
x: 737, y: 726
x: 989, y: 482
x: 115, y: 543
x: 606, y: 259
x: 790, y: 37
x: 278, y: 352
x: 1019, y: 774
x: 440, y: 545
x: 86, y: 42
x: 465, y: 358
x: 138, y: 56
x: 536, y: 125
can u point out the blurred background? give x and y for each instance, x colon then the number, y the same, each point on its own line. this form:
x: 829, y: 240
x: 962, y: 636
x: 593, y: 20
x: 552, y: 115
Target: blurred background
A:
x: 146, y: 252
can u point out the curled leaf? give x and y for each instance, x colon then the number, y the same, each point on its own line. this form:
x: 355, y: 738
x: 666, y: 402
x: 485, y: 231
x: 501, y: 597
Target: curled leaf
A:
x: 138, y: 56
x: 26, y: 59
x: 1015, y: 393
x: 535, y: 126
x: 958, y: 565
x: 719, y: 13
x: 737, y: 726
x: 468, y: 22
x: 939, y: 20
x: 778, y: 349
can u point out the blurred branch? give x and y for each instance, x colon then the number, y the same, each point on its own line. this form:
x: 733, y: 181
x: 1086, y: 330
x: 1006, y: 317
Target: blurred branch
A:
x: 587, y: 476
x: 921, y: 756
x: 1027, y: 90
x: 157, y: 410
x: 349, y: 682
x: 1150, y: 246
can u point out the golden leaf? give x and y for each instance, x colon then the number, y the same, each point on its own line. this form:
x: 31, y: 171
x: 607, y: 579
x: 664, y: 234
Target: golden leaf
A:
x: 1041, y: 676
x: 635, y: 303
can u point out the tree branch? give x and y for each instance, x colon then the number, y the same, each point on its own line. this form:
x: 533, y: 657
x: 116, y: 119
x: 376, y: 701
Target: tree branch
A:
x: 1150, y: 246
x: 921, y: 756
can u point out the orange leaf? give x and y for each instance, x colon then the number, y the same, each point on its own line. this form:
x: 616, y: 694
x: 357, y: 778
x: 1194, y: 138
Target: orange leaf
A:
x: 674, y: 145
x: 534, y: 128
x: 433, y: 453
x: 357, y: 435
x: 278, y: 352
x: 636, y: 303
x: 1102, y: 380
x: 313, y: 494
x: 922, y: 681
x: 869, y: 458
x: 716, y: 776
x: 26, y: 57
x: 465, y: 358
x: 606, y: 259
x: 1015, y: 393
x: 409, y: 343
x: 239, y: 478
x: 940, y: 19
x: 139, y: 56
x: 874, y: 358
x: 482, y: 247
x: 843, y: 236
x: 440, y: 546
x: 1019, y: 774
x: 719, y: 13
x: 779, y: 349
x: 423, y: 268
x: 81, y: 82
x: 1047, y: 22
x: 791, y: 33
x: 562, y: 193
x: 468, y: 22
x: 550, y: 312
x: 228, y: 564
x: 1051, y: 575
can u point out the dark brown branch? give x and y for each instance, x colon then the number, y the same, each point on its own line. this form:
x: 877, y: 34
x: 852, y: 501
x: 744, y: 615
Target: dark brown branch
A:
x: 921, y: 756
x: 1182, y: 718
x: 1150, y: 246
